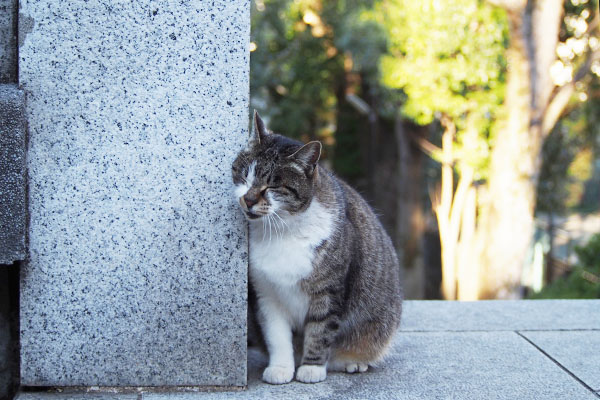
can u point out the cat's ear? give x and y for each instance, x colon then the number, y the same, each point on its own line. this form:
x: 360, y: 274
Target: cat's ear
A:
x: 308, y: 155
x: 258, y: 126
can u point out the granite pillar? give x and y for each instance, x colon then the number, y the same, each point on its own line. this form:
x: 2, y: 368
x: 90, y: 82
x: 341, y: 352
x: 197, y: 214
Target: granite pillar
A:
x: 138, y: 253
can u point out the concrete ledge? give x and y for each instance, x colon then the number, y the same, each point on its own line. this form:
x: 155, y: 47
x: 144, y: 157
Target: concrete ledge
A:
x: 453, y: 351
x: 494, y: 315
x: 12, y: 174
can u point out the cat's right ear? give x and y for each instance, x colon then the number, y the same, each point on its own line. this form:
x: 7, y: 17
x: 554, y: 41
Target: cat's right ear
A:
x: 258, y: 126
x: 308, y: 156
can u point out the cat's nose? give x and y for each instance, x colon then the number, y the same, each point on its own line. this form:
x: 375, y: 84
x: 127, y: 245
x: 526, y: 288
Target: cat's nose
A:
x: 250, y: 201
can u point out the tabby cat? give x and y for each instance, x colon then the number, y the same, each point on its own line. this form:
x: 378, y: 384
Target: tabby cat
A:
x: 321, y: 264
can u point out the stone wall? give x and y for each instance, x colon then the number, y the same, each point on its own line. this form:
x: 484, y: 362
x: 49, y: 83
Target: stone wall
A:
x: 138, y: 254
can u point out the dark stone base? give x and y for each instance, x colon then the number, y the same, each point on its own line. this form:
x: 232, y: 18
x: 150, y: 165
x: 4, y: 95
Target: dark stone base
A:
x: 9, y: 330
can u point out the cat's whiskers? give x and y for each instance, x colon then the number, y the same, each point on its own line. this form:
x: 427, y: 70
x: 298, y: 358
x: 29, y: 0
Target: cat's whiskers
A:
x: 274, y: 225
x: 283, y: 223
x: 281, y: 228
x: 269, y: 221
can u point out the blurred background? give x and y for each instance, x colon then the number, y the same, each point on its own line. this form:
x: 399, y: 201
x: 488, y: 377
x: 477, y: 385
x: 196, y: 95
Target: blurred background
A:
x: 471, y: 127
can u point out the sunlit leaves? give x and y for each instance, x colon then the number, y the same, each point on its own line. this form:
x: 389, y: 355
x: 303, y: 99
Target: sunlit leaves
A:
x: 448, y: 58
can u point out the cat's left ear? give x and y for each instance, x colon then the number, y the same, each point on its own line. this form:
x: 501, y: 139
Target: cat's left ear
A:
x: 308, y: 155
x: 258, y: 126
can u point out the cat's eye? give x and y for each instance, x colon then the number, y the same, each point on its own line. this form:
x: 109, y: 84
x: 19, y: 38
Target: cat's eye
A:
x: 276, y: 180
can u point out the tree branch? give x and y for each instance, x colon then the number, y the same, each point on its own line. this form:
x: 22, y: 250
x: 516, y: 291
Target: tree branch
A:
x: 559, y: 101
x: 510, y: 5
x: 428, y: 148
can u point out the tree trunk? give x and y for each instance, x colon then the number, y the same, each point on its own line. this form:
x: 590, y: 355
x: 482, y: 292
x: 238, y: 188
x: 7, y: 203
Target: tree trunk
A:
x: 449, y: 209
x: 409, y: 224
x: 507, y: 214
x: 468, y: 273
x: 443, y: 210
x: 389, y: 176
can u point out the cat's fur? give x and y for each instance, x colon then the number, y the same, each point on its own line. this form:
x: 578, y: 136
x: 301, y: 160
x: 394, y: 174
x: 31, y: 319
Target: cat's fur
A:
x: 321, y: 264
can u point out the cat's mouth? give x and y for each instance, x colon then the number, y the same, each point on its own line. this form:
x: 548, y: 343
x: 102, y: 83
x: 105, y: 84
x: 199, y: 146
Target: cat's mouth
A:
x: 252, y: 215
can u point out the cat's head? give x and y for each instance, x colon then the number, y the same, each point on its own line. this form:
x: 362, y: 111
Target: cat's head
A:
x: 275, y: 174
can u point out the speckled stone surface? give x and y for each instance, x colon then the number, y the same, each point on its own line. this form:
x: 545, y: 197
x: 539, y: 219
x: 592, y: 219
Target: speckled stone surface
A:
x: 8, y: 42
x: 12, y: 174
x: 138, y: 252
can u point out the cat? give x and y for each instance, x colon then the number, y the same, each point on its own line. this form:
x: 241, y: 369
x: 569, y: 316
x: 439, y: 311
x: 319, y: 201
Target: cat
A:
x: 321, y: 265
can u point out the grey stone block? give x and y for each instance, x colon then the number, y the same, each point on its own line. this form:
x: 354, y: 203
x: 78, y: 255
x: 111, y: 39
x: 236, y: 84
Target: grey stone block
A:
x: 577, y: 351
x: 12, y: 174
x: 433, y: 365
x: 8, y: 43
x: 138, y: 252
x: 500, y: 315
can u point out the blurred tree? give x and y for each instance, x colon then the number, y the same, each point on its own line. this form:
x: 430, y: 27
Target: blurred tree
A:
x: 538, y: 91
x: 568, y: 156
x: 315, y: 74
x: 568, y: 182
x: 488, y: 76
x: 583, y: 281
x: 452, y: 71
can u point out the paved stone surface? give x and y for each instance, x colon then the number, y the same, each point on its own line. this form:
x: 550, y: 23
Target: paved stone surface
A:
x: 447, y: 364
x: 437, y: 365
x: 8, y: 43
x: 12, y: 174
x: 579, y: 352
x: 138, y: 252
x: 503, y: 315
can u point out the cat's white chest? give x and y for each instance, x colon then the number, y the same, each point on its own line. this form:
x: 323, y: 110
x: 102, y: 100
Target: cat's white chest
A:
x: 280, y: 260
x: 284, y: 255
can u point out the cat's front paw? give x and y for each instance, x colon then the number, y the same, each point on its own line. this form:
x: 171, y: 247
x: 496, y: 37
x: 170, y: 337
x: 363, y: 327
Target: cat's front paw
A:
x: 278, y: 375
x: 311, y: 373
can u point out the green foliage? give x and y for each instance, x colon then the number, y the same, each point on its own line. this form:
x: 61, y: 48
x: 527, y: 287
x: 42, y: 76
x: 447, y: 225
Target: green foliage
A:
x: 448, y: 58
x: 567, y: 180
x: 558, y: 153
x: 292, y: 75
x: 298, y: 67
x: 309, y: 54
x: 454, y: 65
x: 583, y: 282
